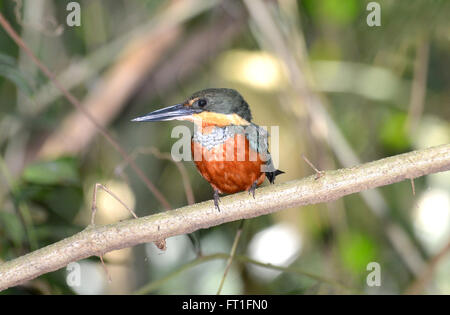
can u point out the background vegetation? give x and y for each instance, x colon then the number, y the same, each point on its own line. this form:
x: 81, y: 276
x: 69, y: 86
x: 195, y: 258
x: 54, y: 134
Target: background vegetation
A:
x: 340, y: 91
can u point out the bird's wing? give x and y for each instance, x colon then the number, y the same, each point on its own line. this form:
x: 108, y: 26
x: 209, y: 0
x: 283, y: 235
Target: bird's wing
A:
x: 258, y: 138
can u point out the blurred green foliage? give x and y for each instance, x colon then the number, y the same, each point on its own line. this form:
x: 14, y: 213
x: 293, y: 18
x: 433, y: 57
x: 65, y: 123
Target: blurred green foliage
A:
x: 60, y: 171
x: 356, y: 251
x: 393, y: 133
x: 369, y: 99
x: 334, y: 11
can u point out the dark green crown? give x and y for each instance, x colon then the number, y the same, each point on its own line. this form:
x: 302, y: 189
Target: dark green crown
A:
x: 224, y: 101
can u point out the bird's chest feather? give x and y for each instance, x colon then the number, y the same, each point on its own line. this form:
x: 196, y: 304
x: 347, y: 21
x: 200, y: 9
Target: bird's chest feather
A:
x: 226, y: 160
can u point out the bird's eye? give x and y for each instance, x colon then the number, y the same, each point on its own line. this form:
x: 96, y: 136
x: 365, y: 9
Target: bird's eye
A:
x: 201, y: 102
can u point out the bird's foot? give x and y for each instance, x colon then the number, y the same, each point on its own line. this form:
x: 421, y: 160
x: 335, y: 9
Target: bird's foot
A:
x: 252, y: 189
x: 216, y: 199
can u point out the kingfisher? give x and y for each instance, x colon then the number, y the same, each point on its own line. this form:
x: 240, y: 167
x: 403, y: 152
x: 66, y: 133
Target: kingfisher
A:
x: 229, y: 150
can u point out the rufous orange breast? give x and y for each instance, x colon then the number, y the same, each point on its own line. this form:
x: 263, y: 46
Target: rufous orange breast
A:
x: 229, y: 165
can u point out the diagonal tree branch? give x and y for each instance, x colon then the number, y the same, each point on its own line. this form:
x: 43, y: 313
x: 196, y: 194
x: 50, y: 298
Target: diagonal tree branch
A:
x: 330, y: 186
x: 74, y: 101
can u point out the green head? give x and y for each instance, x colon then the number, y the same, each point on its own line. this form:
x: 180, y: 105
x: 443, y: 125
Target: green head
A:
x: 213, y: 101
x: 221, y: 101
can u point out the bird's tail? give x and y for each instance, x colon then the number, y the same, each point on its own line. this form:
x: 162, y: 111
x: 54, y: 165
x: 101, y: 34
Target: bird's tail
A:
x: 271, y: 175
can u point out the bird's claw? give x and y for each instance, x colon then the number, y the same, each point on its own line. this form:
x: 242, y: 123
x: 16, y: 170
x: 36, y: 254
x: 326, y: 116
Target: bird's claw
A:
x: 252, y: 189
x: 216, y: 199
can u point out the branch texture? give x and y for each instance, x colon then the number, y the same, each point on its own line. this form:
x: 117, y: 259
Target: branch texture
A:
x: 97, y: 240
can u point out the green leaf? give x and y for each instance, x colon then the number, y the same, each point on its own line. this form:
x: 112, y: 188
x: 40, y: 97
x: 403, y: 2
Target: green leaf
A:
x: 393, y: 133
x: 59, y: 171
x: 356, y: 251
x: 335, y: 11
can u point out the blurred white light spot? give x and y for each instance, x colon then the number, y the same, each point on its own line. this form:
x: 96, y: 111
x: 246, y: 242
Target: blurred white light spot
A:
x: 261, y: 71
x: 209, y: 276
x: 278, y: 245
x: 174, y: 255
x: 93, y: 278
x: 108, y: 208
x: 432, y: 218
x: 432, y: 131
x: 257, y: 69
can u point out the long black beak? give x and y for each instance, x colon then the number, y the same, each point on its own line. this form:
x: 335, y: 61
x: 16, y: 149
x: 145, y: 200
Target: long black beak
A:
x: 175, y: 112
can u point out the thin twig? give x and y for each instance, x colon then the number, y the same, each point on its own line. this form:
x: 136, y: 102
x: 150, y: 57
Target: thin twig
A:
x: 94, y: 210
x: 108, y: 275
x: 108, y: 98
x: 173, y: 16
x: 420, y: 283
x: 94, y: 201
x: 318, y: 173
x: 413, y: 186
x: 232, y: 254
x: 419, y: 85
x: 166, y: 156
x: 333, y: 185
x: 152, y: 286
x: 72, y: 99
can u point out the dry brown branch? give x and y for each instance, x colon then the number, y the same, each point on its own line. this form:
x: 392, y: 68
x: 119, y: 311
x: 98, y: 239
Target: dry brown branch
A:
x: 421, y: 282
x: 331, y: 186
x: 73, y: 100
x: 419, y: 85
x: 174, y: 14
x: 111, y: 94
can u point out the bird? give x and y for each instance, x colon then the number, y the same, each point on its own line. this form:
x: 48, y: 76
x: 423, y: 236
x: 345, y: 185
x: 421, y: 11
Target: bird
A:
x: 228, y: 149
